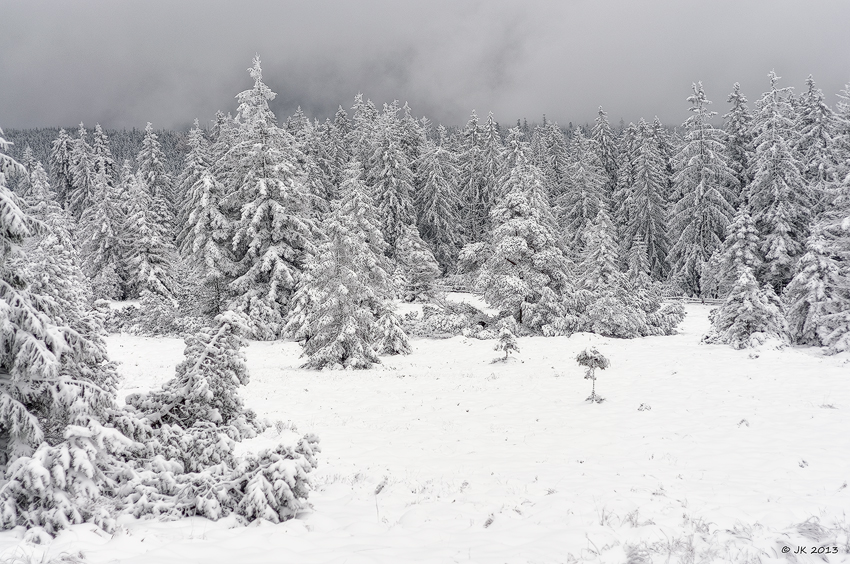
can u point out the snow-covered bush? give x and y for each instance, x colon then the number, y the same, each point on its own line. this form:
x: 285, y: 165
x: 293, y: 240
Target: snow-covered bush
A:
x: 442, y: 319
x: 507, y: 339
x: 391, y: 336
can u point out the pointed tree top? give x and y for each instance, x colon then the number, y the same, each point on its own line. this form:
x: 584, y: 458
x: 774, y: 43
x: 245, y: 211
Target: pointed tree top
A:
x: 256, y: 70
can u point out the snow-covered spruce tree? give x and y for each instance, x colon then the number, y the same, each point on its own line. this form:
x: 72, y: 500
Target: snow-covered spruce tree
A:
x: 818, y: 297
x: 205, y: 235
x: 625, y: 176
x: 601, y: 255
x: 416, y: 268
x: 740, y: 249
x: 703, y: 178
x: 51, y: 375
x: 148, y: 254
x: 151, y: 169
x: 750, y: 316
x: 779, y: 197
x: 61, y: 162
x: 815, y: 292
x: 390, y: 178
x: 842, y: 133
x: 205, y: 385
x: 412, y: 135
x: 100, y: 240
x: 557, y: 157
x: 584, y: 191
x: 491, y: 161
x: 318, y: 164
x: 816, y: 128
x: 205, y: 243
x: 197, y: 162
x: 436, y: 201
x: 606, y: 147
x: 346, y: 282
x: 272, y: 232
x: 738, y: 125
x: 50, y: 265
x: 611, y: 303
x: 187, y: 465
x: 392, y: 339
x: 299, y: 127
x: 667, y: 143
x: 82, y: 176
x: 338, y: 144
x: 475, y: 199
x: 523, y: 257
x: 102, y: 155
x: 647, y: 203
x: 363, y: 125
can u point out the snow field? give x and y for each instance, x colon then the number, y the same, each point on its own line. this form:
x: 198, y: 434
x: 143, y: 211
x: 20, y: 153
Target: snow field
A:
x: 442, y: 456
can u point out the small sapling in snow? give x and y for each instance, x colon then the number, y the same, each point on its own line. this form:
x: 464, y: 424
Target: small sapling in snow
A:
x: 592, y: 360
x: 507, y: 341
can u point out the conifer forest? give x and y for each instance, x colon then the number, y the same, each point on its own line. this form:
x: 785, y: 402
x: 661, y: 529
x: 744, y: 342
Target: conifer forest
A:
x: 426, y: 301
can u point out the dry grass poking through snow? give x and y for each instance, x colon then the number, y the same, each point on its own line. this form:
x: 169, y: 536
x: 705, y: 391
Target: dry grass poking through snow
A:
x: 444, y: 457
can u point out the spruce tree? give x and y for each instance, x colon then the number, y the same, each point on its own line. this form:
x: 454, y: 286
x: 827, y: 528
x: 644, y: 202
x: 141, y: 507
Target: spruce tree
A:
x: 391, y: 180
x: 151, y: 170
x: 148, y: 255
x: 523, y: 258
x: 272, y: 232
x: 779, y: 197
x: 205, y: 386
x: 625, y: 176
x: 205, y: 241
x: 416, y: 267
x: 197, y: 162
x: 102, y: 156
x: 818, y: 296
x: 738, y: 123
x: 339, y: 298
x: 340, y: 144
x: 436, y: 201
x: 61, y: 163
x: 491, y: 158
x: 740, y: 249
x: 101, y: 229
x: 703, y: 178
x: 815, y: 145
x: 606, y: 147
x: 474, y: 197
x: 584, y: 191
x: 392, y: 339
x: 666, y: 143
x: 750, y: 316
x: 54, y: 375
x: 815, y: 292
x: 600, y: 263
x: 82, y: 175
x: 647, y: 204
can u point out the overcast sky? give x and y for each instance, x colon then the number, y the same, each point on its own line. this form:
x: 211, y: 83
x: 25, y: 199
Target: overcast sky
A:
x: 124, y: 63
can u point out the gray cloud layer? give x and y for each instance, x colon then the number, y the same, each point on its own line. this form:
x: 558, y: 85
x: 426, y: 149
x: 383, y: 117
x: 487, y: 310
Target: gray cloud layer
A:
x: 125, y: 63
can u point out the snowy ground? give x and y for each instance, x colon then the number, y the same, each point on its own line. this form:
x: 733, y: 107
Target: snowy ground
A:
x: 495, y: 463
